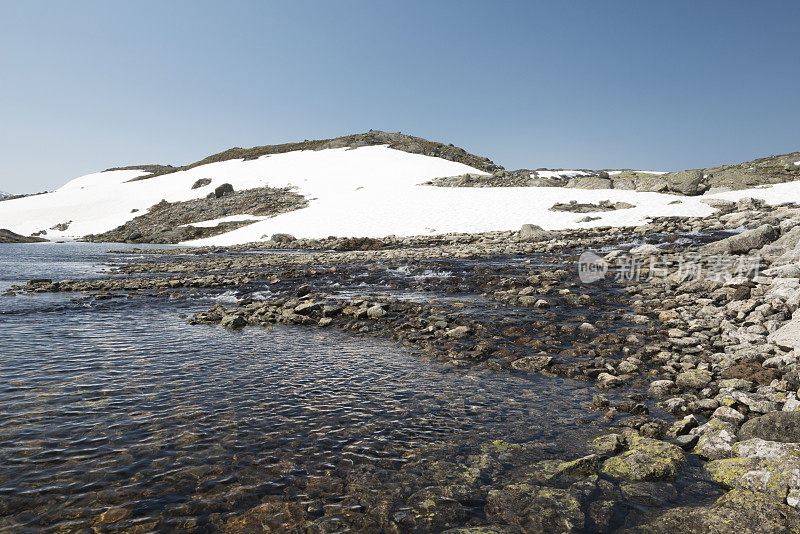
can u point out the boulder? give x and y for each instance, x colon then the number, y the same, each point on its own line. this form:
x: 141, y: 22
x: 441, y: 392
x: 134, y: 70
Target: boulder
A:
x: 695, y: 379
x: 787, y: 337
x: 716, y: 439
x: 222, y: 190
x: 647, y: 459
x: 744, y: 242
x: 233, y: 321
x: 775, y: 426
x: 590, y: 182
x: 739, y: 510
x: 282, y: 238
x: 532, y: 232
x: 686, y: 182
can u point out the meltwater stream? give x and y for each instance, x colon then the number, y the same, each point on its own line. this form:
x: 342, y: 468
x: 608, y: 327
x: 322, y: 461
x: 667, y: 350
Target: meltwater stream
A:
x: 117, y: 415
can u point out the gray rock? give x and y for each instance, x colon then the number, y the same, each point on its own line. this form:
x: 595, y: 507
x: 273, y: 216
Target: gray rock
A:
x: 686, y: 182
x: 376, y: 312
x: 744, y: 242
x: 788, y: 336
x: 458, y: 332
x: 532, y: 232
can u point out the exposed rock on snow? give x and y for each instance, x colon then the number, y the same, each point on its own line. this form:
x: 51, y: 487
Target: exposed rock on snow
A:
x: 6, y: 236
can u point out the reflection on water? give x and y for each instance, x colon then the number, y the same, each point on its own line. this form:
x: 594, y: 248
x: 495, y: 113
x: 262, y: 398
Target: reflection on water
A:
x: 122, y: 414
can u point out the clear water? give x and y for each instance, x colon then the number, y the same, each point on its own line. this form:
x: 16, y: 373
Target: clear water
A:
x: 118, y: 415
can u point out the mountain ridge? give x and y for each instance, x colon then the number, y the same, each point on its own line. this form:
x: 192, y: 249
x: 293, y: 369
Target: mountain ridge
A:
x: 394, y: 140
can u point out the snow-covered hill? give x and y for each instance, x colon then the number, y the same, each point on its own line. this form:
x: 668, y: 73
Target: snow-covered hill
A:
x: 369, y: 191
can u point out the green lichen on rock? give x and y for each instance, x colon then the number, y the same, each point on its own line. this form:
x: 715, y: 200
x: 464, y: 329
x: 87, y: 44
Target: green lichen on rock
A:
x: 609, y: 444
x: 647, y: 459
x: 531, y: 508
x: 728, y: 471
x: 695, y: 379
x: 738, y: 510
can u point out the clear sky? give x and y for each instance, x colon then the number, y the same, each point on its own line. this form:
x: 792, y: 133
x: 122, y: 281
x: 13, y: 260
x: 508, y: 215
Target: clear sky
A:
x: 86, y: 85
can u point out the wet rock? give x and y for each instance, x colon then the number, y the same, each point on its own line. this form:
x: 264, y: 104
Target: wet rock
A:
x: 532, y: 364
x: 661, y: 388
x: 646, y: 460
x: 233, y: 321
x: 535, y: 508
x: 649, y: 493
x: 610, y: 444
x: 608, y: 381
x: 686, y: 441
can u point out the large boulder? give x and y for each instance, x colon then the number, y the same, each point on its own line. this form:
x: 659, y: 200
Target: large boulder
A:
x: 744, y: 242
x: 788, y: 336
x: 686, y: 182
x: 590, y: 182
x: 532, y: 232
x: 775, y: 426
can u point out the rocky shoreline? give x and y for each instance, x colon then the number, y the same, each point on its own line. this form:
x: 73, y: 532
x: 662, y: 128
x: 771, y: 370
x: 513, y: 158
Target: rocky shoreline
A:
x: 698, y: 340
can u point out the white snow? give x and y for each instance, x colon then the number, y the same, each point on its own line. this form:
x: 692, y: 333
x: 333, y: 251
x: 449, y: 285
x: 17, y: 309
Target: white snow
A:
x: 364, y: 192
x: 100, y: 202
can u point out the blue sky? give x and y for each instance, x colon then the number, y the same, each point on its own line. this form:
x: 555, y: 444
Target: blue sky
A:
x: 85, y: 85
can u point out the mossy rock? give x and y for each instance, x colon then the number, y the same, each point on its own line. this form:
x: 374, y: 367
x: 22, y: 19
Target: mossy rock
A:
x: 738, y: 510
x: 647, y: 459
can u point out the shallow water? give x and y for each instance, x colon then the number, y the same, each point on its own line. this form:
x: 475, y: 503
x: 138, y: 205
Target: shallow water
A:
x: 120, y: 405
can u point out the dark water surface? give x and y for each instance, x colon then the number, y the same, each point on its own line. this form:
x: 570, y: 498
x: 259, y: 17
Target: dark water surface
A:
x: 117, y: 414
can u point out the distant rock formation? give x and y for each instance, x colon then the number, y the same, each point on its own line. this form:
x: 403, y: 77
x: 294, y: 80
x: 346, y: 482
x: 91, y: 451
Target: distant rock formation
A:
x: 7, y: 236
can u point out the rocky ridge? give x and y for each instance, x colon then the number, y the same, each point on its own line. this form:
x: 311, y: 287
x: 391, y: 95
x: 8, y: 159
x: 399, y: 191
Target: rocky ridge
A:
x: 762, y: 171
x: 397, y: 141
